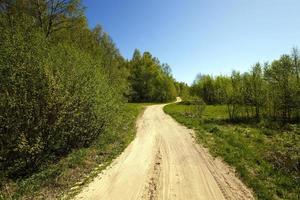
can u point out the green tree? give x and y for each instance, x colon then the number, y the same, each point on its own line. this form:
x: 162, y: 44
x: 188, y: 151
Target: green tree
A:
x: 61, y: 85
x: 257, y: 89
x: 149, y: 80
x: 280, y: 79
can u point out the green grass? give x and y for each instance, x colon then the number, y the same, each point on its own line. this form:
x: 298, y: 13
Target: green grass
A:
x: 267, y: 160
x: 215, y: 112
x: 80, y: 166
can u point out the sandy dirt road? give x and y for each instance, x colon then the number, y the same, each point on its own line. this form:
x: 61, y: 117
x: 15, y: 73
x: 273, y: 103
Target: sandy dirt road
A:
x: 164, y: 162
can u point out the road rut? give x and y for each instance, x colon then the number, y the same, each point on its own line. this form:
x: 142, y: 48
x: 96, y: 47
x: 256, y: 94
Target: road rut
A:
x: 164, y: 162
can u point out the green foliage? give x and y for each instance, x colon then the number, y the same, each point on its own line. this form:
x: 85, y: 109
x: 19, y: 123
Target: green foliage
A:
x: 55, y: 96
x: 78, y: 167
x: 183, y: 90
x: 266, y: 159
x: 271, y: 91
x: 283, y: 88
x: 149, y: 80
x: 23, y: 102
x: 212, y: 91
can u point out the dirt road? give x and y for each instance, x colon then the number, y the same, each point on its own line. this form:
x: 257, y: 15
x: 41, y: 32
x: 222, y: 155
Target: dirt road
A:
x: 163, y: 162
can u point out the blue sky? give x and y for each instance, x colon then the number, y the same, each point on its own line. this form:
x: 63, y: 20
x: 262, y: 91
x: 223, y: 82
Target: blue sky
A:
x: 200, y: 36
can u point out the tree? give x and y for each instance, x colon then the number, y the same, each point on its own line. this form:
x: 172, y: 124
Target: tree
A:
x: 296, y: 62
x: 61, y: 86
x: 149, y: 80
x: 183, y: 90
x: 49, y: 15
x: 257, y: 89
x: 271, y: 91
x: 204, y: 88
x: 280, y: 78
x: 54, y: 15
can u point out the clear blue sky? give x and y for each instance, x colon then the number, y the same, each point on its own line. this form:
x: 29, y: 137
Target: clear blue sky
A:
x: 200, y: 36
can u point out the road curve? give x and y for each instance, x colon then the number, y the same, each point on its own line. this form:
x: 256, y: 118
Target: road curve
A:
x: 164, y: 162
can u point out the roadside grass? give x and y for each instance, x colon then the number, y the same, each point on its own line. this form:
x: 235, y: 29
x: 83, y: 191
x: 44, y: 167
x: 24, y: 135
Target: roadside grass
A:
x: 266, y: 159
x: 65, y: 178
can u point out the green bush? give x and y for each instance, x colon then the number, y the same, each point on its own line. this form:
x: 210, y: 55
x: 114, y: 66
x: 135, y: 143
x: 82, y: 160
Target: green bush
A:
x: 23, y: 101
x: 53, y: 99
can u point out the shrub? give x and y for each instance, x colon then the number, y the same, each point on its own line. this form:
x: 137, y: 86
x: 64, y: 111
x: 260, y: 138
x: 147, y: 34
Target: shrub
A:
x: 53, y: 99
x: 23, y: 101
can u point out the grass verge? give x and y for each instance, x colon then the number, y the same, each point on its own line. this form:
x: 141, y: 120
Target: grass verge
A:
x: 266, y: 159
x: 79, y: 167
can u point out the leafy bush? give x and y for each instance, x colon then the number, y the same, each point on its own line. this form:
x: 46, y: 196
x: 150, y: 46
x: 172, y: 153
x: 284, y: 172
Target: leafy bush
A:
x: 23, y: 101
x: 53, y: 99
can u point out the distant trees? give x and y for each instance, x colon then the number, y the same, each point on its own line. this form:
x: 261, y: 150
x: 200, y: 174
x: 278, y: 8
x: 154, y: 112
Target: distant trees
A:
x: 281, y: 79
x: 212, y: 91
x: 149, y: 80
x: 270, y: 91
x: 183, y: 90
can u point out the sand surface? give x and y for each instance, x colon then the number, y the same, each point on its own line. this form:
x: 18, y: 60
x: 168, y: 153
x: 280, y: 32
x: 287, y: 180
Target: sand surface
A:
x: 164, y: 162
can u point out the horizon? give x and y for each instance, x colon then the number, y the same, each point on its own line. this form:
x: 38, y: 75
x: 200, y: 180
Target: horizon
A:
x: 199, y: 36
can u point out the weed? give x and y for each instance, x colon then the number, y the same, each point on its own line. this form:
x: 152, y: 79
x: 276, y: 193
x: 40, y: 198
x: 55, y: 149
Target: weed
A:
x: 266, y: 156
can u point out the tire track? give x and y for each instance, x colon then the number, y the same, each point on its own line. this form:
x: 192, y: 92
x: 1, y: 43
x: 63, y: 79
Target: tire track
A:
x: 163, y: 162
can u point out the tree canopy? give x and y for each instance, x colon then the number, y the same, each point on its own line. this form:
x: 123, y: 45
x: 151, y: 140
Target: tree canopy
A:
x: 268, y: 90
x: 149, y: 80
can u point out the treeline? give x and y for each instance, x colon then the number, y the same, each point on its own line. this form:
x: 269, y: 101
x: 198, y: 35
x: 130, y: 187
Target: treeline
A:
x: 269, y: 91
x: 150, y: 80
x: 183, y: 90
x: 62, y: 84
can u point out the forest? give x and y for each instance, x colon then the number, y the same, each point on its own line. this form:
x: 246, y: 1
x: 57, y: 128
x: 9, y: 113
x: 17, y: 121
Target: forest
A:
x: 268, y: 91
x: 63, y: 84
